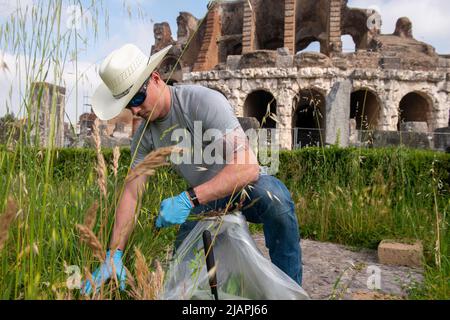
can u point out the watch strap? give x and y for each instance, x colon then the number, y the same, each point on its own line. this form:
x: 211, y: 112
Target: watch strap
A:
x: 193, y: 197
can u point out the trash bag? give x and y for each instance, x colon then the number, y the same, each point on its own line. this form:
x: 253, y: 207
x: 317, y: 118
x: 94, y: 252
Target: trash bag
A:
x: 241, y: 270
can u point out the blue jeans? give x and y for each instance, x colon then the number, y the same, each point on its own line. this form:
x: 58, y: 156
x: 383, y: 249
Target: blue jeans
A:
x: 269, y: 203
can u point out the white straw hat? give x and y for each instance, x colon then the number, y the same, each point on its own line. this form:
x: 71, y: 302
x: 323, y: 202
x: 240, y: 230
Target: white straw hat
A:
x: 123, y: 73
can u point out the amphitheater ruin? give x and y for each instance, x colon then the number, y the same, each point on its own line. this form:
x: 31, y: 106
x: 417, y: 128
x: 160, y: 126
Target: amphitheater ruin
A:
x: 256, y: 54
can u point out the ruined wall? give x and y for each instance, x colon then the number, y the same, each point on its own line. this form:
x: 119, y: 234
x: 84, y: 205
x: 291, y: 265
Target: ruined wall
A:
x: 389, y: 88
x: 208, y: 56
x: 163, y: 36
x: 253, y: 50
x: 232, y: 26
x: 48, y: 107
x: 186, y: 49
x: 311, y: 23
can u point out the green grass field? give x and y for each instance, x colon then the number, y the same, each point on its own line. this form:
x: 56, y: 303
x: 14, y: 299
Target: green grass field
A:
x: 342, y: 196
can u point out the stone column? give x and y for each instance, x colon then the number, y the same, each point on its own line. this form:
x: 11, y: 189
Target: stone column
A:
x: 289, y: 25
x: 48, y: 107
x: 285, y: 97
x: 338, y: 114
x: 248, y: 32
x: 334, y: 42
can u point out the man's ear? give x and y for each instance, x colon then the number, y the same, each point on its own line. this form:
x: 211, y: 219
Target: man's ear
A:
x: 156, y: 76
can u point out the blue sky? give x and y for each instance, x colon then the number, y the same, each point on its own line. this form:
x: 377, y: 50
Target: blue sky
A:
x: 136, y: 30
x: 429, y: 17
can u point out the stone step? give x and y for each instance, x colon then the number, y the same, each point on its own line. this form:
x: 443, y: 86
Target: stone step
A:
x: 400, y: 254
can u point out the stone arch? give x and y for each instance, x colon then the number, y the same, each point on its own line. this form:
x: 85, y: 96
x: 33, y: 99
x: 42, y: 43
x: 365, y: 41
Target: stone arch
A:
x: 311, y: 46
x: 354, y: 23
x: 365, y: 109
x: 415, y: 106
x: 269, y: 24
x: 311, y: 24
x: 308, y: 119
x: 261, y: 104
x: 348, y: 44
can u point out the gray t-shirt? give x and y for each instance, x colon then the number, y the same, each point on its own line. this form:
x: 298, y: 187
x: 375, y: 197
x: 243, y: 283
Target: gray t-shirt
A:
x: 194, y: 110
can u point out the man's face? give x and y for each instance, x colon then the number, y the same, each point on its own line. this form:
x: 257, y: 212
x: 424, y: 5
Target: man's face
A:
x: 152, y: 107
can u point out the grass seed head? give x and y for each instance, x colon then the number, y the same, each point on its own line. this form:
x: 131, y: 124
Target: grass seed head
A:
x: 88, y: 237
x: 91, y: 216
x: 116, y: 156
x: 6, y: 220
x: 148, y: 284
x: 154, y: 160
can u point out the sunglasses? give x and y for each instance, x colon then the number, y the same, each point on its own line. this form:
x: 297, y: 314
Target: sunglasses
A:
x: 139, y: 97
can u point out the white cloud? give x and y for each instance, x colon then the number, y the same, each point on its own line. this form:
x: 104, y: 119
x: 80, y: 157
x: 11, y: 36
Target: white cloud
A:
x: 87, y: 81
x: 14, y: 82
x: 10, y: 82
x: 8, y: 7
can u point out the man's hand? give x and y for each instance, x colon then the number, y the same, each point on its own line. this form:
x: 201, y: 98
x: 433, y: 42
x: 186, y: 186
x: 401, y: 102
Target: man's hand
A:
x: 174, y: 211
x: 105, y: 271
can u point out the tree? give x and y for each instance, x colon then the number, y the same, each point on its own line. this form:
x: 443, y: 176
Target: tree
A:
x: 8, y: 126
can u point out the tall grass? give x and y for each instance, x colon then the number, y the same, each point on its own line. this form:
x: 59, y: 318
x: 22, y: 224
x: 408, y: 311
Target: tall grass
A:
x: 71, y: 216
x: 360, y: 197
x: 353, y: 197
x: 42, y: 236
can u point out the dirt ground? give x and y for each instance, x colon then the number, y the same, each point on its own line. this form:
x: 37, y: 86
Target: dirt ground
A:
x: 332, y: 271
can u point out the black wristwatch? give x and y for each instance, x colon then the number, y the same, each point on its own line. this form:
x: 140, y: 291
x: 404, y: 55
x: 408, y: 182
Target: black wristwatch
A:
x: 193, y: 197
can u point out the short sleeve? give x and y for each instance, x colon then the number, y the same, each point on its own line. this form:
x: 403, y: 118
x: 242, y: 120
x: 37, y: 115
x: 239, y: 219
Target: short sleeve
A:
x: 216, y: 112
x: 141, y: 145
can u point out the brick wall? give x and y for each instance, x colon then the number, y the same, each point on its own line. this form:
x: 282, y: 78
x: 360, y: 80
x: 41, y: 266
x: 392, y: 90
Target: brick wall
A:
x: 208, y: 56
x: 248, y: 33
x: 334, y: 27
x: 289, y: 25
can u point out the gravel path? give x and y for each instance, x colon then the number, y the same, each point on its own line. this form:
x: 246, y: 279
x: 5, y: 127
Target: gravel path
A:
x: 332, y: 271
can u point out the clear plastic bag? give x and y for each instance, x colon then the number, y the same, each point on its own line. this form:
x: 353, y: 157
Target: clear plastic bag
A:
x: 241, y: 269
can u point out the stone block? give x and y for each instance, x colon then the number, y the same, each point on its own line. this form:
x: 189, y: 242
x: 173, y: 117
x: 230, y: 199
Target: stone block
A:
x: 414, y: 126
x: 341, y: 63
x: 338, y: 114
x: 382, y: 139
x: 285, y: 62
x: 233, y: 62
x: 447, y: 86
x: 444, y: 63
x: 400, y: 254
x: 442, y: 139
x: 283, y: 51
x: 258, y: 59
x: 312, y: 59
x: 390, y: 63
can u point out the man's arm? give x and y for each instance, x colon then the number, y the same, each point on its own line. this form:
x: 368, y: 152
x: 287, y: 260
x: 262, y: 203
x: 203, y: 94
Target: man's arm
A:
x: 125, y: 214
x: 241, y: 171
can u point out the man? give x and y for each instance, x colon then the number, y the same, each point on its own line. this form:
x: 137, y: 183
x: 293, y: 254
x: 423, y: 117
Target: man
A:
x: 131, y: 82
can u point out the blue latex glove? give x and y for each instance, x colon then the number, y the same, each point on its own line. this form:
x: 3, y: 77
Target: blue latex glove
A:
x: 174, y: 211
x: 105, y: 272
